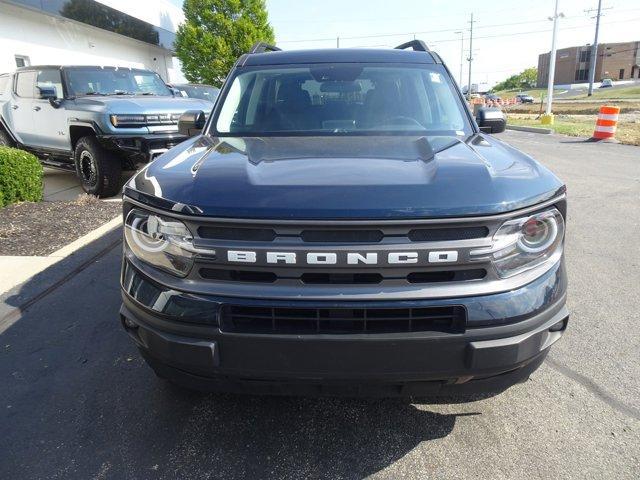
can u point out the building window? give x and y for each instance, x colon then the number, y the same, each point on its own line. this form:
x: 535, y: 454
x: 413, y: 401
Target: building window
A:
x: 22, y: 61
x: 585, y: 55
x: 582, y: 74
x: 621, y: 74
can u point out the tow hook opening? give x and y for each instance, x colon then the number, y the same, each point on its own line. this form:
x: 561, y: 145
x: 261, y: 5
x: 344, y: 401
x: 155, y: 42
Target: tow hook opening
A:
x: 560, y: 326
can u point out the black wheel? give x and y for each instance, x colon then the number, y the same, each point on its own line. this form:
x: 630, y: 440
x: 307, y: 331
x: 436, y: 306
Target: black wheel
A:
x: 5, y: 139
x: 98, y: 169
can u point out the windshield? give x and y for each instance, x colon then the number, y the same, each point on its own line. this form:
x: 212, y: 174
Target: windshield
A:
x: 357, y: 99
x: 114, y: 81
x: 203, y: 92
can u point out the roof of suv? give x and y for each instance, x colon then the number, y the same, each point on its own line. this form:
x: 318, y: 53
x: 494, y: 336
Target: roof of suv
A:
x: 339, y: 55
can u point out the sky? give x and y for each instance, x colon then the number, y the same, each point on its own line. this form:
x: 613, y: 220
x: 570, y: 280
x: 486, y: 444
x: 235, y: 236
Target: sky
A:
x: 508, y: 34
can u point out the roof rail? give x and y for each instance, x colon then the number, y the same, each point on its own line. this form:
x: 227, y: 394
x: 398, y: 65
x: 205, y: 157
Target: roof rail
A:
x: 261, y: 47
x: 417, y: 45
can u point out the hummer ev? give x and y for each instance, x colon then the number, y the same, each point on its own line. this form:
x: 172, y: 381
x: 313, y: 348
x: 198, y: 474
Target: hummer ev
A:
x: 94, y: 120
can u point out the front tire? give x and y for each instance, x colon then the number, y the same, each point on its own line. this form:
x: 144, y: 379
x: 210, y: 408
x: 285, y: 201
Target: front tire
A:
x: 5, y: 139
x: 98, y: 169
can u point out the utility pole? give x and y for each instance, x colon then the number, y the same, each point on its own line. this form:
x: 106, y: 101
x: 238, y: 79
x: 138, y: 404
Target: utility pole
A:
x: 552, y: 59
x: 594, y: 49
x: 337, y: 42
x: 461, y: 32
x: 470, y: 59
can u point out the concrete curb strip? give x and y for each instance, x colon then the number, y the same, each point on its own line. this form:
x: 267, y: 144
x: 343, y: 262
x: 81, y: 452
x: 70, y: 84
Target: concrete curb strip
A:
x: 529, y: 129
x: 22, y: 268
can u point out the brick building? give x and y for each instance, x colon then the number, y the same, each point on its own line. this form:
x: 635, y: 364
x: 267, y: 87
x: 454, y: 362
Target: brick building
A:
x: 618, y: 61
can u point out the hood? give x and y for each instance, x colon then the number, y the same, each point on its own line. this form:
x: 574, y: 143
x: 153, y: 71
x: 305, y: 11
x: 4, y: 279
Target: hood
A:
x: 143, y: 104
x: 355, y: 177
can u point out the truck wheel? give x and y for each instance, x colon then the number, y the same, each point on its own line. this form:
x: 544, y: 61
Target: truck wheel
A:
x: 5, y: 139
x: 98, y: 169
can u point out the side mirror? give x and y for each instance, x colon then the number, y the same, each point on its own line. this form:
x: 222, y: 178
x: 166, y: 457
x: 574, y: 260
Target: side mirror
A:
x: 47, y: 93
x: 191, y: 123
x: 491, y: 120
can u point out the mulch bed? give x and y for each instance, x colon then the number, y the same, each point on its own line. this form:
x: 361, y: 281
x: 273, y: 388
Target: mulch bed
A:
x: 42, y: 228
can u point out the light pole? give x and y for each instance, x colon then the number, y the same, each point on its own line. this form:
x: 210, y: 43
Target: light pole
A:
x: 461, y: 32
x: 470, y: 56
x: 548, y: 118
x: 594, y: 51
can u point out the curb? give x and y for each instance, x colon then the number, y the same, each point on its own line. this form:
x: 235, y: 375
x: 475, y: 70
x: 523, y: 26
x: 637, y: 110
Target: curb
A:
x: 30, y: 291
x: 27, y: 267
x: 519, y: 128
x: 86, y: 239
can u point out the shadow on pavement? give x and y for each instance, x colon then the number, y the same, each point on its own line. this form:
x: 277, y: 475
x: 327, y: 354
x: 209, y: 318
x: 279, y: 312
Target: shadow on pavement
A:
x: 77, y: 401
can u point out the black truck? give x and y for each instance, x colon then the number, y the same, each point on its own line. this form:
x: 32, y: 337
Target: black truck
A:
x: 341, y: 223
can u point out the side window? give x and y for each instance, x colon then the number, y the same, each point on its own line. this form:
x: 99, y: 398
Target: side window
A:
x: 50, y: 78
x: 25, y: 83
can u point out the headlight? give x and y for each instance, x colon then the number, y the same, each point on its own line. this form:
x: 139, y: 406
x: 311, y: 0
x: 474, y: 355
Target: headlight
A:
x: 165, y: 243
x: 524, y: 243
x: 138, y: 120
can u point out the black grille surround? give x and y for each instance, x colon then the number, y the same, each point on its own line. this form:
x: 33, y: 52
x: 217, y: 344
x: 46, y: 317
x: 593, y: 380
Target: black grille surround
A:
x: 300, y: 321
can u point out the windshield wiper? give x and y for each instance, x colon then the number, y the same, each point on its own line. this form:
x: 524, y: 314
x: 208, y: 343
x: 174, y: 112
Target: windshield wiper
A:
x: 147, y: 93
x: 122, y: 92
x: 96, y: 93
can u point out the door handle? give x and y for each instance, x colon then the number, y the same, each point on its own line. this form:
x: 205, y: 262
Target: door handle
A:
x: 37, y: 109
x: 14, y: 107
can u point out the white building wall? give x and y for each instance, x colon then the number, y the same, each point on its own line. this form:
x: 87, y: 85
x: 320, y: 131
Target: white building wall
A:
x: 49, y: 40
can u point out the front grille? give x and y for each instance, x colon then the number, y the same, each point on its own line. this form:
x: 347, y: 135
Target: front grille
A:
x: 345, y: 235
x: 297, y: 258
x: 342, y: 236
x: 340, y: 278
x: 243, y: 234
x: 296, y: 321
x: 444, y: 234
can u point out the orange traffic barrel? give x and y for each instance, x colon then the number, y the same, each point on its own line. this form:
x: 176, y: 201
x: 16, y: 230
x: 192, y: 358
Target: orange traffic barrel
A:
x: 606, y: 123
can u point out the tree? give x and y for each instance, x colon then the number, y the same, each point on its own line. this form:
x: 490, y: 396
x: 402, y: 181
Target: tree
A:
x: 525, y: 79
x: 215, y: 33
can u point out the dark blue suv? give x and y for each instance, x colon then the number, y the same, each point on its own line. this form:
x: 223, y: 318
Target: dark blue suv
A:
x: 343, y: 224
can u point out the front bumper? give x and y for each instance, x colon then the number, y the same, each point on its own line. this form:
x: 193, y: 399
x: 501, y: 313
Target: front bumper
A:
x: 506, y: 338
x: 141, y: 148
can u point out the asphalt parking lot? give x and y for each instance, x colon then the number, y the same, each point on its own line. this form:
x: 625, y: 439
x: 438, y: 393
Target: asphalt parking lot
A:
x: 77, y: 401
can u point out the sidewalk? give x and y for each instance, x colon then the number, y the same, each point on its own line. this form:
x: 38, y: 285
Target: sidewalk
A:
x: 19, y: 269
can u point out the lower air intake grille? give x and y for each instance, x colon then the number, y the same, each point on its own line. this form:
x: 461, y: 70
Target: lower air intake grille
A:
x: 295, y: 321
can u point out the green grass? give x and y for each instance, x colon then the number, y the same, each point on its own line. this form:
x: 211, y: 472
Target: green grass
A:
x: 611, y: 93
x: 630, y: 92
x: 580, y: 126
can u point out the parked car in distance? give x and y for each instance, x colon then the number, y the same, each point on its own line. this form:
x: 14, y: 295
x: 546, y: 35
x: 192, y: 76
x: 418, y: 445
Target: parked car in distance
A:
x: 606, y: 83
x: 94, y: 120
x: 524, y: 98
x: 492, y: 97
x: 196, y: 90
x: 342, y: 223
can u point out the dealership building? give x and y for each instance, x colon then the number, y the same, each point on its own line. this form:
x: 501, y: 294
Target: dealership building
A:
x: 618, y: 61
x: 88, y: 32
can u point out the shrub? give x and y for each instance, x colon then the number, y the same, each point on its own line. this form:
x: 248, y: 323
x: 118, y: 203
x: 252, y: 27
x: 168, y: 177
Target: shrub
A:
x: 20, y: 177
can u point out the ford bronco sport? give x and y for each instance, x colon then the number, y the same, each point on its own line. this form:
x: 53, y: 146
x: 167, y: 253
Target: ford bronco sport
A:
x: 342, y: 224
x: 94, y: 120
